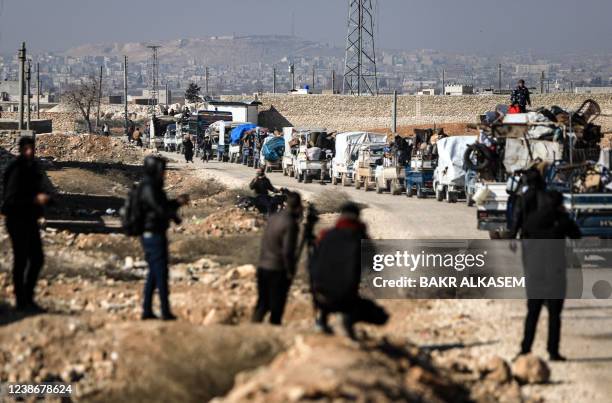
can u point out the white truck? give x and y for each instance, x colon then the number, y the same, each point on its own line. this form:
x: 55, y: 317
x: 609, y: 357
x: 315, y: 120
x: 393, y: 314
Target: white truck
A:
x: 346, y: 153
x: 449, y: 175
x: 311, y: 162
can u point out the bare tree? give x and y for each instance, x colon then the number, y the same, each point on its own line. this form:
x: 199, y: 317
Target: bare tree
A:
x: 83, y: 97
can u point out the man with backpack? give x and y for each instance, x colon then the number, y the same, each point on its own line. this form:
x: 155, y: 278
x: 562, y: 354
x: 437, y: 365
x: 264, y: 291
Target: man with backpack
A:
x: 148, y: 214
x: 335, y: 275
x: 277, y: 261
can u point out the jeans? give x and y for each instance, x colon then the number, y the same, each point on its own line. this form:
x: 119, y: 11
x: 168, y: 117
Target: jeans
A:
x: 534, y: 306
x: 156, y: 254
x: 28, y: 257
x: 272, y: 291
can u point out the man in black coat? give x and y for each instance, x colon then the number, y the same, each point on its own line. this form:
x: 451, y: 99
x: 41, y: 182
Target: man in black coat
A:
x: 277, y: 261
x: 521, y: 97
x: 24, y: 199
x: 157, y: 211
x: 545, y: 262
x: 335, y: 275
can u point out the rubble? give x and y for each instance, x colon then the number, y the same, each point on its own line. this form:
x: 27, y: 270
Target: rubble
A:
x: 530, y: 369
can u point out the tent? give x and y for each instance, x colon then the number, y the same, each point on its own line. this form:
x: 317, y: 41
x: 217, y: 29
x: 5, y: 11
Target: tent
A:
x: 237, y: 133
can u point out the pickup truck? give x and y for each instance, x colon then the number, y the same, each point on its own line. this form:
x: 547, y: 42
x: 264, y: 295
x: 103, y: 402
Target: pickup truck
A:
x: 491, y: 200
x: 364, y: 168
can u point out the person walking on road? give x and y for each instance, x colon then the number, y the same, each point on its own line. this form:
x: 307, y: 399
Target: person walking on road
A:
x: 521, y: 96
x: 277, y: 261
x: 207, y: 149
x: 157, y: 212
x: 335, y: 275
x: 544, y: 258
x: 188, y: 149
x: 24, y: 200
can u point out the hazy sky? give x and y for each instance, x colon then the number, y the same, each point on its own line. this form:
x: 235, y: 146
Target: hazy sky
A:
x: 452, y: 25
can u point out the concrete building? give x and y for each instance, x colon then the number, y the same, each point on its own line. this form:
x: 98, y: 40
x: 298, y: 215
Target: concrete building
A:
x: 427, y: 92
x: 241, y: 111
x: 458, y: 89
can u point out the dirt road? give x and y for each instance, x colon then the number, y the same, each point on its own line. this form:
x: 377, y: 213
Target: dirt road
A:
x: 480, y: 328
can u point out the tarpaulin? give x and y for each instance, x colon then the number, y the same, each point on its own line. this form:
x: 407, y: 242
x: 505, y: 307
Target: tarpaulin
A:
x: 237, y: 134
x: 273, y: 148
x: 517, y: 154
x: 450, y: 170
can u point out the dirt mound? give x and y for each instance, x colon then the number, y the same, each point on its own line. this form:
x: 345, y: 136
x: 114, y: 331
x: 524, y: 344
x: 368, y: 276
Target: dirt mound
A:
x: 87, y: 148
x: 335, y: 369
x: 228, y: 221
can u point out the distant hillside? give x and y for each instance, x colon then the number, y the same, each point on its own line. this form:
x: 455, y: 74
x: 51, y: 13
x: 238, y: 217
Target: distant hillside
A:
x: 221, y: 50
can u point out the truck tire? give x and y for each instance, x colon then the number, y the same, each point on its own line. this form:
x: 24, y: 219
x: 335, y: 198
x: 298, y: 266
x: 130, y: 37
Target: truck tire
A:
x: 396, y: 189
x: 470, y: 200
x: 439, y: 194
x: 451, y: 197
x: 307, y: 178
x: 358, y: 183
x: 285, y: 173
x: 345, y: 181
x: 420, y: 194
x: 299, y: 177
x: 409, y: 191
x: 366, y: 184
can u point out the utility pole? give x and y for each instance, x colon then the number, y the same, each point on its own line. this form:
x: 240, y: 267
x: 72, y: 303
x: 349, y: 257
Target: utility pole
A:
x: 37, y: 90
x: 499, y: 77
x: 313, y: 78
x: 125, y: 93
x: 206, y: 80
x: 333, y: 82
x: 22, y: 58
x: 542, y: 83
x: 99, y: 99
x: 28, y: 79
x: 443, y: 81
x: 394, y: 113
x: 274, y: 80
x: 292, y: 72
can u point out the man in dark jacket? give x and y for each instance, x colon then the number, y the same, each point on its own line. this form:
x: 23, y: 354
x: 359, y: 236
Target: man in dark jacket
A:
x: 188, y: 149
x: 335, y: 275
x: 262, y: 187
x: 525, y: 202
x: 157, y: 212
x: 521, y: 96
x: 277, y: 261
x: 24, y: 199
x: 545, y: 262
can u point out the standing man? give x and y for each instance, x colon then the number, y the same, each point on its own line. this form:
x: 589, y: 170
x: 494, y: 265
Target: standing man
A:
x: 105, y: 130
x: 545, y: 263
x: 137, y: 137
x: 157, y: 212
x: 24, y: 199
x: 188, y: 149
x: 521, y: 96
x: 335, y: 275
x: 277, y: 261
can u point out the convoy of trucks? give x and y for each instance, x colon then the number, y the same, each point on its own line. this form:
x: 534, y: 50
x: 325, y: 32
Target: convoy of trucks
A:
x: 484, y: 170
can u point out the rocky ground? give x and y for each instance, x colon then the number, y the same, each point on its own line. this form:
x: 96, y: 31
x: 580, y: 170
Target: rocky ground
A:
x: 92, y: 285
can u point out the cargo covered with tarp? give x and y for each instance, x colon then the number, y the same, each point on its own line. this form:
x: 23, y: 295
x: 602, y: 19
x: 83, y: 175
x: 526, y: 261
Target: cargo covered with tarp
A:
x: 273, y: 148
x: 238, y: 133
x: 451, y: 151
